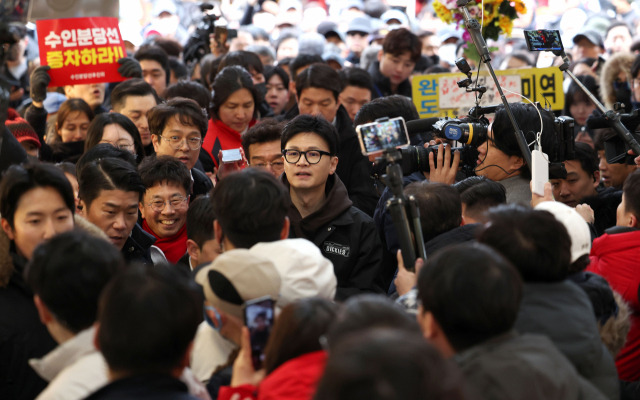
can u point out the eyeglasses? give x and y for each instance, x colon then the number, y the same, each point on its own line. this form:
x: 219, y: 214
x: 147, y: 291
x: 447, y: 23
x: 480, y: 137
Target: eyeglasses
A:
x: 312, y: 156
x: 276, y: 165
x: 194, y: 143
x: 177, y: 202
x: 121, y: 145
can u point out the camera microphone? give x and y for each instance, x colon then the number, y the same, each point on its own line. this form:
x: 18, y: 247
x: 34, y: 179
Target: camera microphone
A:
x: 421, y: 125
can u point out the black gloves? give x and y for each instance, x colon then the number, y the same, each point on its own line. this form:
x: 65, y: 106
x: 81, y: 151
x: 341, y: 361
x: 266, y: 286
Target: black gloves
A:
x: 129, y: 68
x: 39, y: 81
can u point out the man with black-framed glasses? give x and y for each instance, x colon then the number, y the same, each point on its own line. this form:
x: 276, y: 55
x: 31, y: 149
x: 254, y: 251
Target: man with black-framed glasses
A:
x: 321, y: 210
x: 177, y: 129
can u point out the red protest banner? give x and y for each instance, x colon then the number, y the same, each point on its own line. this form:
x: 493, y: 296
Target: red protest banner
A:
x: 81, y: 50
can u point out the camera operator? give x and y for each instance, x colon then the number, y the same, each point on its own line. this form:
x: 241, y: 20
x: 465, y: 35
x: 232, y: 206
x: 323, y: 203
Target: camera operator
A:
x: 499, y: 157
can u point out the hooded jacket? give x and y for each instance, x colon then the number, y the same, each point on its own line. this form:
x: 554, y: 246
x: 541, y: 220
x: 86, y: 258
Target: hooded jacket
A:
x: 614, y: 256
x: 620, y: 62
x: 523, y: 367
x: 22, y: 335
x: 562, y: 312
x: 353, y: 168
x: 345, y: 235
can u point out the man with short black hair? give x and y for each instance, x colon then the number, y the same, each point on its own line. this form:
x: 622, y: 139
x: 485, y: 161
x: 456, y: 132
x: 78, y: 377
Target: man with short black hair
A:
x: 474, y: 325
x: 147, y: 342
x: 400, y: 52
x: 109, y: 192
x: 67, y: 278
x: 583, y: 177
x: 357, y: 90
x: 318, y: 89
x: 155, y: 67
x: 320, y: 209
x: 177, y: 129
x: 164, y: 205
x: 134, y: 98
x: 478, y: 194
x: 202, y: 246
x: 261, y: 144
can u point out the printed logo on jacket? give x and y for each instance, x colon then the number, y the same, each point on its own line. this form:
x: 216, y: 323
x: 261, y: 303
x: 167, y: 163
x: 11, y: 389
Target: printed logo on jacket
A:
x: 335, y: 248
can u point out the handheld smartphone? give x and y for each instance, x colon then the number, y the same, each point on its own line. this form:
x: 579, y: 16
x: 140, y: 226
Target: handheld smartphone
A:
x: 543, y: 40
x: 377, y: 136
x: 258, y: 317
x: 230, y: 156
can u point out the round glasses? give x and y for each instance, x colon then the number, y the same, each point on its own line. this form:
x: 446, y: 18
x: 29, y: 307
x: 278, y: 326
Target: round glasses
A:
x: 176, y: 202
x: 194, y: 143
x: 312, y: 156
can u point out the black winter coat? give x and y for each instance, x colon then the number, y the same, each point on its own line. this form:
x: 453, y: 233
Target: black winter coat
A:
x: 346, y: 236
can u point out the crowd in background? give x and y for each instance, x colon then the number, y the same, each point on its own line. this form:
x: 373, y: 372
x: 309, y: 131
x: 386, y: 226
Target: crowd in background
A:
x: 141, y: 219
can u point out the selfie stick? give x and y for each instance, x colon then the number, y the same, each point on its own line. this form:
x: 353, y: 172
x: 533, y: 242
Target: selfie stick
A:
x: 612, y: 116
x: 473, y: 26
x: 399, y: 206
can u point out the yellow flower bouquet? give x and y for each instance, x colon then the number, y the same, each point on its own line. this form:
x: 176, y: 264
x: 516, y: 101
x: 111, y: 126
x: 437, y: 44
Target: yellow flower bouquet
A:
x: 498, y: 15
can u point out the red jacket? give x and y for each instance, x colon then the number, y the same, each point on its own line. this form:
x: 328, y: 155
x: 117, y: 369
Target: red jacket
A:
x: 294, y: 380
x: 220, y: 137
x: 616, y: 257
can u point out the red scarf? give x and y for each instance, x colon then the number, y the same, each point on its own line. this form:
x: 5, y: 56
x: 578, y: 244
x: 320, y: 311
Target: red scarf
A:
x: 220, y: 137
x: 173, y: 247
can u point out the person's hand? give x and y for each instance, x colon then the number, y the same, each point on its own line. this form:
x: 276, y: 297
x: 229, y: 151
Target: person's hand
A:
x: 39, y: 81
x: 225, y: 169
x: 443, y: 170
x: 16, y: 94
x: 243, y: 371
x: 635, y: 160
x: 129, y: 68
x: 537, y: 199
x: 586, y: 212
x: 406, y: 280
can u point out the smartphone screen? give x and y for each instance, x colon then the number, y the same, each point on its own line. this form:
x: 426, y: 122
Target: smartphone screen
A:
x: 380, y: 135
x: 258, y: 317
x: 233, y: 155
x: 543, y: 40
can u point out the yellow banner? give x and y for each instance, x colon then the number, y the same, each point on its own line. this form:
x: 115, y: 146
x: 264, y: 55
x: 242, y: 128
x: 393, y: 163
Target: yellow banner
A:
x: 438, y: 95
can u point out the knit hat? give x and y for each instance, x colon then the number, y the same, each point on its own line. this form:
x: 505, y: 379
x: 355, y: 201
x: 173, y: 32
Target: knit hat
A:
x: 235, y: 277
x: 576, y: 226
x: 22, y: 131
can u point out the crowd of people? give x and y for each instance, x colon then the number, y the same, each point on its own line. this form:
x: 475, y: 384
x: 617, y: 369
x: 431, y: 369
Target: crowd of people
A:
x: 142, y: 220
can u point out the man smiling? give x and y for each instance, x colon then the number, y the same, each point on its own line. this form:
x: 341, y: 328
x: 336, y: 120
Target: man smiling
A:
x: 320, y: 208
x: 177, y: 128
x: 165, y: 203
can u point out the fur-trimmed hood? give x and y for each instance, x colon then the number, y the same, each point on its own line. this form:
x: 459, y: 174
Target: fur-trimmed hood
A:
x: 614, y: 332
x: 6, y: 262
x: 620, y: 62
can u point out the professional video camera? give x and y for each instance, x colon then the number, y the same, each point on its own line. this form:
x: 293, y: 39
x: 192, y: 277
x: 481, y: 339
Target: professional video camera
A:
x: 471, y: 131
x: 616, y: 149
x: 198, y: 44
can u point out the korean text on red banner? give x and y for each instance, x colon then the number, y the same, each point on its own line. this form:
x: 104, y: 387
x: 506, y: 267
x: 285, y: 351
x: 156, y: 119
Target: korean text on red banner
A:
x: 81, y: 50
